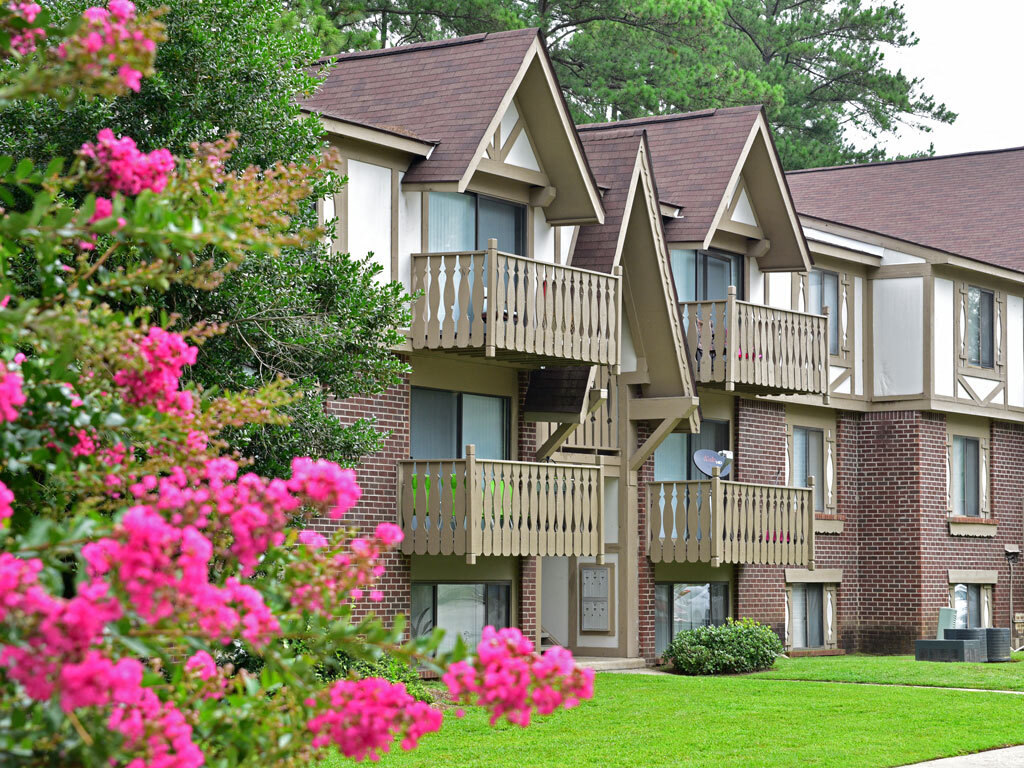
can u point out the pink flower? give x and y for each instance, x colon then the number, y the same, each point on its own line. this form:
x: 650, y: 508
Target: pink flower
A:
x: 131, y: 78
x: 11, y: 395
x: 164, y: 357
x: 85, y: 445
x: 24, y: 41
x: 5, y: 301
x: 363, y: 718
x: 122, y: 10
x: 120, y: 166
x: 104, y: 209
x: 312, y: 539
x: 389, y: 534
x: 325, y: 484
x: 6, y: 501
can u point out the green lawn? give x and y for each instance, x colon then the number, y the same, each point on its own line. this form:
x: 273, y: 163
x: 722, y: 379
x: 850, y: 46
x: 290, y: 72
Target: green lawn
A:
x: 651, y: 721
x: 902, y: 670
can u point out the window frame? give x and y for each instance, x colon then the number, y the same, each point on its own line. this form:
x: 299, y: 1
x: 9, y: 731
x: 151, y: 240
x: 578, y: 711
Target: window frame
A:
x: 450, y: 582
x: 819, y: 478
x: 460, y: 447
x: 960, y: 506
x: 691, y: 472
x: 671, y: 603
x: 969, y: 336
x: 805, y: 586
x: 522, y: 225
x: 737, y: 273
x: 984, y: 596
x: 833, y: 314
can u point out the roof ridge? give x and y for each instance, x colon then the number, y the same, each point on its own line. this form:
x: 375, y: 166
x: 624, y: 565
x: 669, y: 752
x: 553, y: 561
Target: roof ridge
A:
x: 673, y: 117
x: 426, y: 45
x: 905, y: 160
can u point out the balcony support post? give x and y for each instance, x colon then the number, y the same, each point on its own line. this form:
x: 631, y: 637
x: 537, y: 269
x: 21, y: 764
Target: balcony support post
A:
x: 617, y: 271
x: 600, y: 511
x: 493, y: 311
x: 731, y: 339
x: 810, y: 526
x: 717, y: 517
x: 474, y: 507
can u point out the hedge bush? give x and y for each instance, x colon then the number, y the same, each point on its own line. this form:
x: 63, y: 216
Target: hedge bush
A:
x: 736, y: 646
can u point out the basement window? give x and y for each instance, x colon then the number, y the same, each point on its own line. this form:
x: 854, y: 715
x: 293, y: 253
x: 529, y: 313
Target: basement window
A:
x: 460, y: 610
x: 807, y: 616
x: 679, y: 607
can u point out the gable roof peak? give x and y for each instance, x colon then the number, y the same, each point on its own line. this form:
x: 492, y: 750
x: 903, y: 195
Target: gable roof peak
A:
x: 427, y: 45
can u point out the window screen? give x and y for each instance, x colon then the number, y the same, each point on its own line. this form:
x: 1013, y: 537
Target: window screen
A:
x: 808, y: 461
x: 823, y: 289
x: 673, y: 459
x: 965, y: 476
x: 679, y: 607
x: 980, y: 337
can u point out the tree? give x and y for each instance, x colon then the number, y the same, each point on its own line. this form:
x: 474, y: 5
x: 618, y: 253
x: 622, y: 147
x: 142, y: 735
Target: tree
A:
x: 132, y: 551
x: 816, y: 65
x: 321, y: 320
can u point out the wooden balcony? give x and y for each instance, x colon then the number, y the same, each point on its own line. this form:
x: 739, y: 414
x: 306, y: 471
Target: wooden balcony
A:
x: 494, y: 304
x: 717, y: 521
x: 771, y: 351
x: 470, y: 507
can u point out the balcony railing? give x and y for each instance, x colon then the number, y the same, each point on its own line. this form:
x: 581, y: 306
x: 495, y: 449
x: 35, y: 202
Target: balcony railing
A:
x: 470, y: 507
x: 521, y: 310
x: 717, y: 521
x: 736, y: 343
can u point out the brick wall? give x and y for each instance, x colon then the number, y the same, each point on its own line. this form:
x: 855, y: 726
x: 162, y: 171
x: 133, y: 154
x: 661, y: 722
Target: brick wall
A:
x: 377, y: 475
x: 759, y: 456
x: 529, y: 594
x: 645, y: 580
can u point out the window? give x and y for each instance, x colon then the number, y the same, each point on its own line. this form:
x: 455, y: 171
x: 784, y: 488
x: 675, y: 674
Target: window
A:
x: 823, y: 292
x: 967, y: 600
x: 965, y: 476
x: 464, y: 222
x: 706, y: 275
x: 459, y: 609
x: 442, y: 423
x: 980, y: 338
x: 687, y: 606
x: 673, y: 459
x: 806, y: 611
x: 808, y: 461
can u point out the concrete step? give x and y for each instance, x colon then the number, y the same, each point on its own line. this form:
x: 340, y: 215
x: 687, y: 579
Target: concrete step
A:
x: 608, y: 664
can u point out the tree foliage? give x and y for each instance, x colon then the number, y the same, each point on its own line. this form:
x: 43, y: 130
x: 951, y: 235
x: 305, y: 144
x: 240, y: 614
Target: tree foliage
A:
x: 321, y: 320
x: 818, y: 66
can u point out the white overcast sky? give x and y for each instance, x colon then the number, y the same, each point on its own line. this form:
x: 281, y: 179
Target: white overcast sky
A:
x: 970, y: 56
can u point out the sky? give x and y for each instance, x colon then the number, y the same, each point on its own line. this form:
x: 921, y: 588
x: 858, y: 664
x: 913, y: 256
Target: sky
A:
x: 971, y: 57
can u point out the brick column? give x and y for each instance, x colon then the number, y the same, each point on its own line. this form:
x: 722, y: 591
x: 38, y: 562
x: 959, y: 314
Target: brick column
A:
x: 760, y: 457
x: 645, y: 576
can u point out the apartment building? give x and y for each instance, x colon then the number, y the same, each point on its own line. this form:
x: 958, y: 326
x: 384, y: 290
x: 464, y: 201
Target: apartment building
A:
x: 595, y: 304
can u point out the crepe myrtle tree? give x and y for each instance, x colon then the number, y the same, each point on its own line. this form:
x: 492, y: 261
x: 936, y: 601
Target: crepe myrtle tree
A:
x: 133, y: 549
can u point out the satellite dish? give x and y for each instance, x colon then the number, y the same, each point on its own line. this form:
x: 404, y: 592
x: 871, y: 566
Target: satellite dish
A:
x: 706, y: 461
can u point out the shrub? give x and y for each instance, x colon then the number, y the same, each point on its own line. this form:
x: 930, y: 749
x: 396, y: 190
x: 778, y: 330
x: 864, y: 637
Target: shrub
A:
x: 389, y: 667
x: 736, y: 646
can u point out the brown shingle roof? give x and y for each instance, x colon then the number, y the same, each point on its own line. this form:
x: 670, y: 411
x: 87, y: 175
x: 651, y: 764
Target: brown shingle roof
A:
x: 446, y: 91
x: 612, y: 158
x: 694, y: 156
x: 967, y: 204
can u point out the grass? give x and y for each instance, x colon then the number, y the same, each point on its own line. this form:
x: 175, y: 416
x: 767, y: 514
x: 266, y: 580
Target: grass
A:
x: 642, y: 720
x: 901, y: 670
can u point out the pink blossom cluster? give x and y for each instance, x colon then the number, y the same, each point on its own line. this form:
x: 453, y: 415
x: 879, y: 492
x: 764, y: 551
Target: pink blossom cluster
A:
x: 24, y: 41
x: 208, y: 679
x: 6, y: 502
x: 362, y: 718
x: 122, y: 167
x: 164, y: 356
x: 510, y: 680
x: 155, y: 733
x: 323, y: 579
x: 12, y: 396
x: 164, y: 571
x: 325, y: 484
x: 107, y: 35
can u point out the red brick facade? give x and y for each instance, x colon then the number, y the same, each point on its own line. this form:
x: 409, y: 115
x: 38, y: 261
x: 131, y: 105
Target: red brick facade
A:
x: 645, y: 581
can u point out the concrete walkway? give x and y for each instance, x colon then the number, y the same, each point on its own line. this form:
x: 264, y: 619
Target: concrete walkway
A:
x: 1011, y: 757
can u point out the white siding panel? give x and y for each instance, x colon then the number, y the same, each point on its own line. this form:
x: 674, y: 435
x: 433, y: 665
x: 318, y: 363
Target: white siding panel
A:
x: 521, y: 153
x: 756, y: 288
x: 891, y: 257
x: 611, y: 510
x: 744, y: 212
x: 566, y: 244
x: 942, y: 338
x: 554, y: 597
x: 899, y: 327
x: 1015, y: 350
x: 543, y: 237
x: 508, y: 121
x: 858, y: 335
x: 627, y: 354
x: 410, y: 232
x: 780, y: 289
x: 369, y: 214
